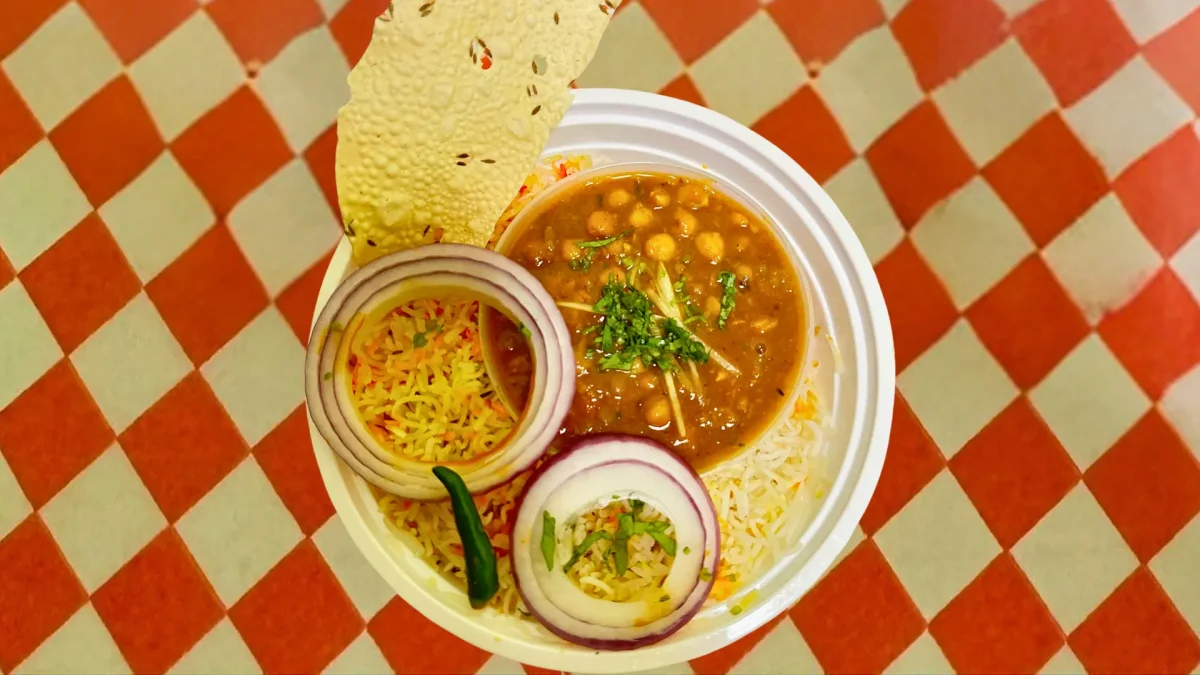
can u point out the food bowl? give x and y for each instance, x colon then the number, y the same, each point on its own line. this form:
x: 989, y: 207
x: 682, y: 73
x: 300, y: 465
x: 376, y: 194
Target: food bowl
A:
x: 856, y: 381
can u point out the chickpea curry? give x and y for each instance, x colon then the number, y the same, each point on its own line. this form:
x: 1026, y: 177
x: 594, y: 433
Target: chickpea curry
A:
x: 684, y: 309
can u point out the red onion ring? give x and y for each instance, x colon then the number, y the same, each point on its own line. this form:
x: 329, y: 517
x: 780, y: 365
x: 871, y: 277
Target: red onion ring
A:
x: 498, y: 282
x: 586, y: 476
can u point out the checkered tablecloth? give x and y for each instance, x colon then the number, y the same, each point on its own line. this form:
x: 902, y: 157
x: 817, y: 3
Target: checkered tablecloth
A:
x: 1025, y: 175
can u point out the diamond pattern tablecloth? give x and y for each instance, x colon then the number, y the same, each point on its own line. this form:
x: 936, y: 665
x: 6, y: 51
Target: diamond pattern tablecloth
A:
x: 1025, y: 175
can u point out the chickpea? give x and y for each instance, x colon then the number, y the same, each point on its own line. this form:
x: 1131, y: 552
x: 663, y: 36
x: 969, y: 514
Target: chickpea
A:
x: 711, y: 245
x: 743, y: 272
x: 570, y: 250
x: 536, y: 252
x: 692, y: 195
x: 687, y: 223
x: 712, y: 305
x: 739, y: 219
x: 660, y: 247
x: 741, y: 244
x: 601, y: 224
x: 660, y: 197
x: 615, y: 273
x: 641, y: 216
x: 617, y: 197
x: 648, y: 381
x: 656, y: 410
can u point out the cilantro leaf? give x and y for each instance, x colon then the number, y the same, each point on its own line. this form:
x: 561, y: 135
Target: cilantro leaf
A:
x: 598, y: 243
x: 727, y: 280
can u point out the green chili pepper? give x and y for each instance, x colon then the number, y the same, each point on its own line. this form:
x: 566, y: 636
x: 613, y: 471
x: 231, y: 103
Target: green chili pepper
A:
x: 549, y: 539
x: 482, y: 579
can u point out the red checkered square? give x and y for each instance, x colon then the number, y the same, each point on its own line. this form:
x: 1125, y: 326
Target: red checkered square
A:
x: 1157, y: 335
x: 1160, y: 192
x: 723, y: 660
x: 943, y: 37
x: 1077, y: 44
x: 414, y: 645
x: 684, y: 89
x: 7, y: 273
x: 820, y: 29
x: 997, y: 624
x: 353, y: 25
x: 693, y: 33
x: 919, y: 163
x: 232, y: 149
x: 51, y: 432
x: 859, y: 618
x: 134, y: 26
x: 183, y: 445
x: 320, y: 159
x: 912, y: 461
x: 1047, y: 179
x: 1136, y: 630
x: 904, y: 275
x: 22, y: 18
x: 208, y: 294
x: 805, y: 129
x: 19, y: 130
x: 108, y: 140
x: 1175, y: 54
x: 1148, y: 484
x: 286, y: 456
x: 80, y: 282
x: 1014, y: 471
x: 38, y: 591
x: 290, y: 632
x: 1050, y: 323
x: 299, y: 299
x: 158, y: 605
x: 258, y: 29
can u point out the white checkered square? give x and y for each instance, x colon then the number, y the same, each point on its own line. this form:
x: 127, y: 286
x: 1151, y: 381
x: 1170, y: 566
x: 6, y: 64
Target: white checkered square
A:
x: 937, y: 544
x: 186, y: 74
x: 1186, y: 263
x: 258, y: 375
x: 1180, y: 404
x: 634, y: 54
x: 1074, y: 557
x: 363, y: 657
x: 1105, y: 238
x: 869, y: 87
x: 40, y: 201
x: 221, y: 652
x: 923, y: 657
x: 130, y: 362
x: 1089, y: 401
x: 14, y: 507
x: 1127, y: 116
x: 238, y: 531
x: 956, y: 388
x: 858, y: 195
x: 103, y: 517
x: 972, y: 241
x: 782, y: 652
x: 61, y: 65
x: 367, y: 590
x: 1148, y: 18
x: 751, y: 71
x: 136, y: 215
x: 304, y: 86
x: 27, y: 348
x: 1175, y: 568
x: 284, y: 226
x: 81, y: 645
x: 995, y: 101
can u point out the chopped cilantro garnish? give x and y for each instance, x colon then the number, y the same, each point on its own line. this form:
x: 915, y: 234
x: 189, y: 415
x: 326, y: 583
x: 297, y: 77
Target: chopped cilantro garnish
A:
x: 599, y: 243
x: 727, y: 280
x: 549, y: 539
x: 524, y: 330
x: 735, y: 610
x: 705, y: 575
x: 584, y: 262
x: 630, y: 332
x: 687, y: 550
x: 327, y: 376
x: 664, y: 598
